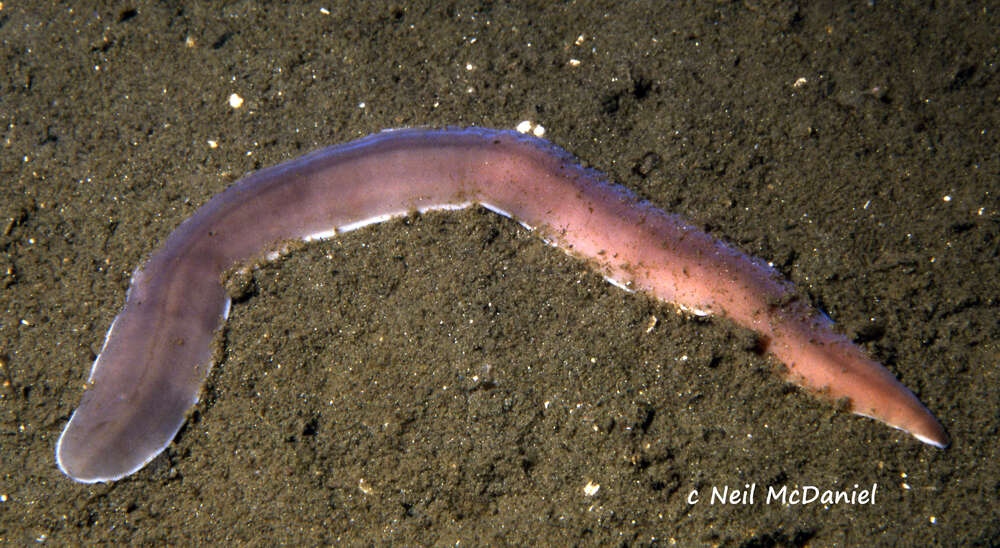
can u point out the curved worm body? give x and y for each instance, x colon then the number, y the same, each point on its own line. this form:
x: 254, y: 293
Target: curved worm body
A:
x: 159, y: 349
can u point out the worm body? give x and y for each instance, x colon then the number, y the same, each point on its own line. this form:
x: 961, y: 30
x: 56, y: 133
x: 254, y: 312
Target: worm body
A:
x: 158, y: 350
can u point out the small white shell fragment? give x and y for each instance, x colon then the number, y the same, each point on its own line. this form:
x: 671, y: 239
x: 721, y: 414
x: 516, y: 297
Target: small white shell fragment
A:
x: 235, y: 101
x: 527, y: 126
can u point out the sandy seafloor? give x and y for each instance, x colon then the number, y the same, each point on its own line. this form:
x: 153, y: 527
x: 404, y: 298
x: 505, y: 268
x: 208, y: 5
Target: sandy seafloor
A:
x: 451, y: 380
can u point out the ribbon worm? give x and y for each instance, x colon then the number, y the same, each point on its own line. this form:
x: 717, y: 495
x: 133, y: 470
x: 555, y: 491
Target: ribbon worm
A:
x: 159, y: 349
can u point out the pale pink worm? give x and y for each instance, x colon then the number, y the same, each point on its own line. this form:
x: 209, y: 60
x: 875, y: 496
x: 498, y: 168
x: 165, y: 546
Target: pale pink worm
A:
x: 158, y: 350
